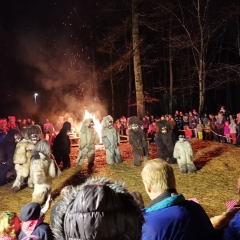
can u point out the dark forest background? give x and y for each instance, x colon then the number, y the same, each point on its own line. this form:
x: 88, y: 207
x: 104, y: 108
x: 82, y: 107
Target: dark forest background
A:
x: 79, y: 55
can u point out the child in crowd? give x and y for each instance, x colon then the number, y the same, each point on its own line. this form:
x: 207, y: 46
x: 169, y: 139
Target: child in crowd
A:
x: 10, y: 225
x: 200, y: 128
x: 207, y: 130
x: 32, y: 216
x: 233, y: 131
x: 227, y: 132
x: 188, y: 133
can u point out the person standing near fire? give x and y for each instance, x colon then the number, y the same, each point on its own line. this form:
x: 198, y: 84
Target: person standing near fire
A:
x: 111, y: 140
x: 88, y: 139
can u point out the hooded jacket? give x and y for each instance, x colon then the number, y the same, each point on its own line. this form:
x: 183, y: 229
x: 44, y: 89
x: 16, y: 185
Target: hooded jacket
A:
x: 98, y: 210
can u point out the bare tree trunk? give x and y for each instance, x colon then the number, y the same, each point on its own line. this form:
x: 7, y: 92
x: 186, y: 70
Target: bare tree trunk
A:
x: 171, y: 81
x: 137, y: 62
x: 112, y: 89
x: 129, y: 86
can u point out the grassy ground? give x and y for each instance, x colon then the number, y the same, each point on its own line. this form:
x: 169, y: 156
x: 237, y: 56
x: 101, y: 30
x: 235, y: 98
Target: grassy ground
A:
x: 214, y: 184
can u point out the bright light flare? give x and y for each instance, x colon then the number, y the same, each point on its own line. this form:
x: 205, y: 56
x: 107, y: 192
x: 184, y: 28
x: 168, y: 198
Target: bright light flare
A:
x: 97, y: 124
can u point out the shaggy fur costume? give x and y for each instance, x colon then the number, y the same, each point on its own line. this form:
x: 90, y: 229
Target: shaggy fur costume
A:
x: 111, y: 140
x: 164, y: 140
x: 88, y: 139
x: 183, y: 153
x: 109, y: 214
x: 42, y: 171
x: 22, y: 156
x: 137, y: 139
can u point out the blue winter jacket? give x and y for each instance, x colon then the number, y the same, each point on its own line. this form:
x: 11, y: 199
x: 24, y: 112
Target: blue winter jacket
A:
x: 171, y: 217
x: 233, y: 230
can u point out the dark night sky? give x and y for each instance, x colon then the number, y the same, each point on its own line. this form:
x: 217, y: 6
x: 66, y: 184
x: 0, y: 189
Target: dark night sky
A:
x: 46, y: 47
x: 45, y: 50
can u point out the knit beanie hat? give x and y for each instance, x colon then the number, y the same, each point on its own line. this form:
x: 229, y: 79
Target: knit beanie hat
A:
x: 30, y: 211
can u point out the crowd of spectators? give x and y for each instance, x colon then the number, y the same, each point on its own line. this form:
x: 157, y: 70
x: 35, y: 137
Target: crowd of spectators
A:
x: 101, y: 209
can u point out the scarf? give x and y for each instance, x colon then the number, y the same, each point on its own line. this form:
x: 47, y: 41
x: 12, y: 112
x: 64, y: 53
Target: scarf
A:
x: 28, y: 227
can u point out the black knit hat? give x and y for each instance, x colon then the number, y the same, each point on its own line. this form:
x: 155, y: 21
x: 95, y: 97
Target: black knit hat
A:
x: 30, y: 211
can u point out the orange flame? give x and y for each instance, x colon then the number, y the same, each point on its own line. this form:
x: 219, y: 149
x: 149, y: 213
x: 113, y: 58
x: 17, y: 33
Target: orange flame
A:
x: 97, y: 124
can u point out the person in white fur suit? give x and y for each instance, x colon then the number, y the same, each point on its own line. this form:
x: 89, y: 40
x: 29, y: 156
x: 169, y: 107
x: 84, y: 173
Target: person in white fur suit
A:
x: 183, y: 153
x: 111, y: 140
x: 22, y: 155
x: 42, y: 171
x: 88, y: 139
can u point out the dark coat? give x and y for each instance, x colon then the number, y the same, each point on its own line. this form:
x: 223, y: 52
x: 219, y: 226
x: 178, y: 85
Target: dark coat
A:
x: 98, y: 210
x: 61, y: 144
x: 138, y: 142
x: 42, y: 230
x: 10, y: 146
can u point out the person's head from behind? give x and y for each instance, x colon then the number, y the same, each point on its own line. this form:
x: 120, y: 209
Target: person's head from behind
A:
x: 106, y: 210
x: 30, y: 211
x: 10, y: 224
x: 157, y: 176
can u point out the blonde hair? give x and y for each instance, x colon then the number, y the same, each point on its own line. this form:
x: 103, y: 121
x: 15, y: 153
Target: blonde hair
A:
x: 158, y: 175
x: 7, y: 224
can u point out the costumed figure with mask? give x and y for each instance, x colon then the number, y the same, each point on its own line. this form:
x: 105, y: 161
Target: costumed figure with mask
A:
x: 111, y: 140
x: 3, y: 153
x: 123, y: 125
x: 42, y: 171
x: 164, y: 140
x: 88, y: 139
x: 22, y: 155
x: 183, y: 153
x: 62, y: 146
x: 137, y: 139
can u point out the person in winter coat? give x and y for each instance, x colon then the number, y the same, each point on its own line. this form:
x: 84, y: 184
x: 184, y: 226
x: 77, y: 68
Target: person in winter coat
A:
x: 220, y: 123
x: 10, y: 146
x: 227, y: 132
x: 164, y: 140
x: 233, y: 131
x: 32, y: 216
x: 169, y: 216
x: 88, y: 139
x: 22, y: 156
x: 62, y: 146
x: 183, y: 153
x: 98, y: 209
x: 42, y: 171
x: 137, y: 139
x: 111, y: 141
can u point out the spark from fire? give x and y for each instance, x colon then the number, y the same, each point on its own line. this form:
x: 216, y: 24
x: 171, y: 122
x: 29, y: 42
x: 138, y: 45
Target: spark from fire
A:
x: 97, y: 124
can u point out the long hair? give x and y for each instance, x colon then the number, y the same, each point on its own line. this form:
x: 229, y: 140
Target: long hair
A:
x: 42, y: 146
x: 7, y: 224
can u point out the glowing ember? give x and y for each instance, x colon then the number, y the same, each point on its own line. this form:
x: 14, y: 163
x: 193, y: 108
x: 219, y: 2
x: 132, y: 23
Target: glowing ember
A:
x: 97, y: 124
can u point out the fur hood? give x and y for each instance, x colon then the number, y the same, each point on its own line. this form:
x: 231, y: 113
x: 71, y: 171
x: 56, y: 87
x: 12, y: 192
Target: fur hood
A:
x: 118, y: 196
x: 106, y: 121
x: 85, y: 124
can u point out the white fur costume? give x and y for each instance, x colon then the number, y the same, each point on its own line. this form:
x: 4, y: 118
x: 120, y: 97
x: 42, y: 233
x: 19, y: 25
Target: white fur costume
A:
x: 111, y: 140
x: 42, y: 171
x: 22, y: 156
x: 183, y: 153
x: 88, y: 139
